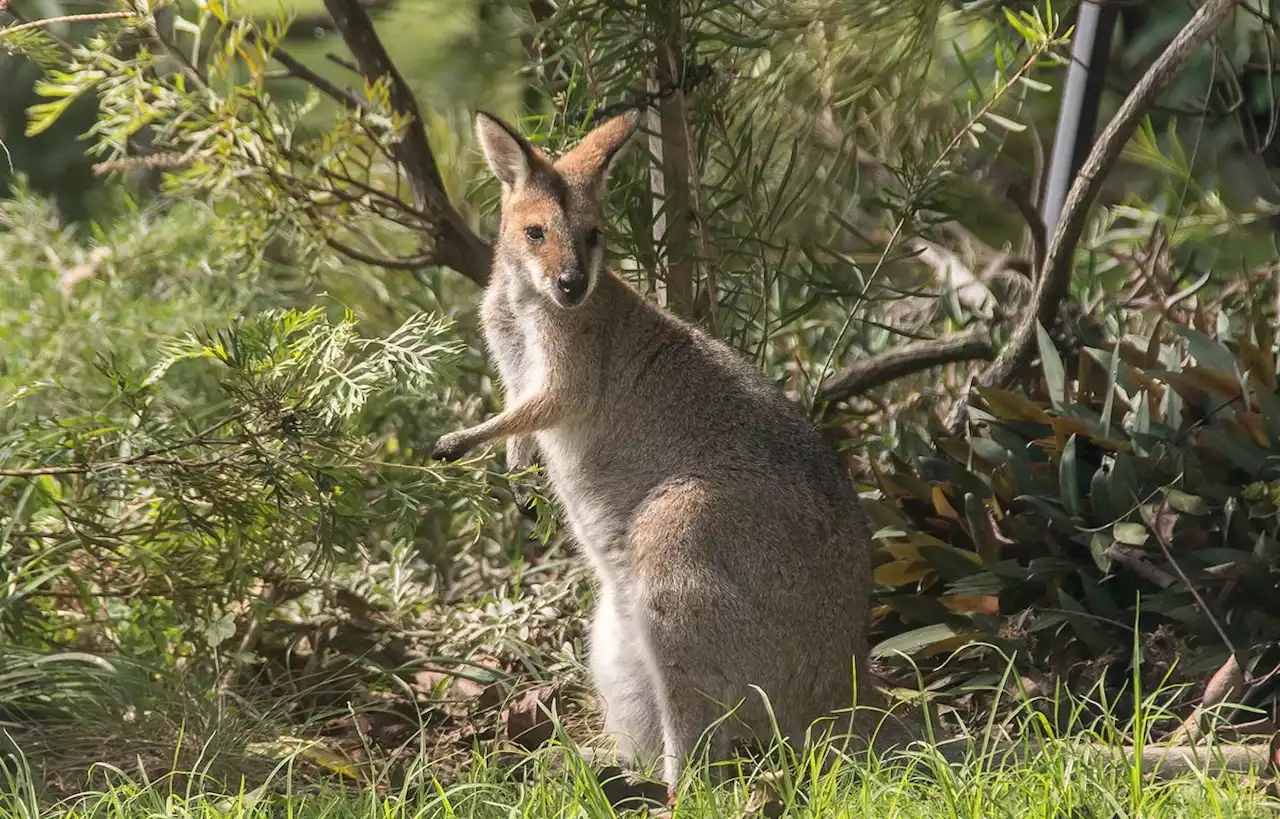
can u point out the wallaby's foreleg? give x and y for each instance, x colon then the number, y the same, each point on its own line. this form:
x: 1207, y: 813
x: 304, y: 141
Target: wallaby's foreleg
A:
x: 542, y: 410
x: 522, y: 453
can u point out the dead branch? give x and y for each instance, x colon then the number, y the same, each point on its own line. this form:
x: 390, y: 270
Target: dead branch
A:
x: 917, y: 356
x: 1136, y: 561
x: 457, y: 245
x: 1161, y: 761
x: 1055, y: 272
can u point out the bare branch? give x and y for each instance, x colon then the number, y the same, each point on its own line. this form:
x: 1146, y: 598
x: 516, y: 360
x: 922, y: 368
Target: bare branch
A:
x: 299, y: 70
x: 412, y: 263
x: 914, y: 357
x: 1035, y: 225
x: 1055, y: 273
x: 458, y: 245
x: 342, y: 61
x: 673, y: 137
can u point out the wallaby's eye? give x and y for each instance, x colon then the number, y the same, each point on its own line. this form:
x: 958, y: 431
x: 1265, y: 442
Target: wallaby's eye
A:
x: 593, y: 238
x: 534, y: 233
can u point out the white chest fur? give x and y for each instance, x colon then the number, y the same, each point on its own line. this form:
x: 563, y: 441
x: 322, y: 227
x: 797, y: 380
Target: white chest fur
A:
x: 594, y: 522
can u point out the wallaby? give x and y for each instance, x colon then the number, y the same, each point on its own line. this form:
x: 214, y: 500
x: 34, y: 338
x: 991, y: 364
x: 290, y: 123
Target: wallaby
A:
x: 730, y: 548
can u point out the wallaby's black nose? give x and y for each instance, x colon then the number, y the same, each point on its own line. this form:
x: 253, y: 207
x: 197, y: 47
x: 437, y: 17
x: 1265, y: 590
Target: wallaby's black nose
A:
x: 573, y: 285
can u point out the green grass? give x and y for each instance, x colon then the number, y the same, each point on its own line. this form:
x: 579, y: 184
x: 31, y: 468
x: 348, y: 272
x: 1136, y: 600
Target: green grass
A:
x: 1056, y: 785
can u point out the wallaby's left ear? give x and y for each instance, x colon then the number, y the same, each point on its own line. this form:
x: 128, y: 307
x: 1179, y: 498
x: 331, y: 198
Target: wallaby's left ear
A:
x: 596, y: 154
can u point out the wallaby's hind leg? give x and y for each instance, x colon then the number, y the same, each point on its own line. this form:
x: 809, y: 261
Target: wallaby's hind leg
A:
x: 699, y: 634
x: 626, y: 687
x: 690, y: 729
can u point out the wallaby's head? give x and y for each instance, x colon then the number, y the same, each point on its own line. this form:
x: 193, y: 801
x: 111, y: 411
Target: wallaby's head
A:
x: 549, y: 235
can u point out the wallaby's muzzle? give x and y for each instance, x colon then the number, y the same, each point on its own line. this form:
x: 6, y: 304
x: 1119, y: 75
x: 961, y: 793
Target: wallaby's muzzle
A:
x: 571, y: 288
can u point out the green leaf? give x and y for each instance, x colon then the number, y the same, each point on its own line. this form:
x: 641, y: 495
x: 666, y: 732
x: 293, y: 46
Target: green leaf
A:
x: 1069, y: 478
x: 914, y: 641
x: 1098, y: 545
x: 1183, y: 502
x: 975, y: 514
x: 1131, y: 534
x: 950, y: 563
x: 1055, y: 374
x: 1125, y: 486
x: 1269, y: 403
x: 1243, y: 453
x: 1102, y: 499
x: 1207, y: 352
x: 1035, y: 85
x: 1005, y: 122
x: 220, y: 630
x: 989, y: 451
x: 1049, y: 510
x: 1267, y: 549
x: 1113, y: 374
x: 915, y: 608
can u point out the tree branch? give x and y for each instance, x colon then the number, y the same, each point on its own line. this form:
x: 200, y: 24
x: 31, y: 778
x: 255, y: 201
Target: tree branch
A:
x: 299, y: 70
x: 673, y: 159
x: 457, y: 246
x: 412, y: 263
x: 917, y: 356
x: 1055, y: 272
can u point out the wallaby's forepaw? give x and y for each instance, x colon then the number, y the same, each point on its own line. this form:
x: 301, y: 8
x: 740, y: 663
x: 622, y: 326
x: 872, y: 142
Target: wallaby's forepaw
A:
x: 524, y: 502
x: 449, y: 447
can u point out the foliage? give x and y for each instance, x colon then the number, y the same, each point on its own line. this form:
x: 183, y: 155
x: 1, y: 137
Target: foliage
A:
x: 181, y: 465
x: 1135, y: 489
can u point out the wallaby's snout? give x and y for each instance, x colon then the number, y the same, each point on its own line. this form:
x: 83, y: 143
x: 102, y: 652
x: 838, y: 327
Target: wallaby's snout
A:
x: 572, y: 286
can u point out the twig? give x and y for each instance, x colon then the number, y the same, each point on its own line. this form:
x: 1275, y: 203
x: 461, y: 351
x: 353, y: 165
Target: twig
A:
x: 151, y: 457
x: 190, y: 69
x: 342, y: 61
x: 1035, y: 225
x: 66, y: 18
x: 1136, y: 561
x: 867, y: 374
x: 1152, y: 519
x: 673, y: 161
x: 299, y: 70
x: 411, y: 263
x: 145, y: 459
x: 1055, y: 273
x: 414, y: 151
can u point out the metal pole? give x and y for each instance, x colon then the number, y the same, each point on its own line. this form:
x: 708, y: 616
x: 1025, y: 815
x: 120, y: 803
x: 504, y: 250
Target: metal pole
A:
x: 1078, y: 112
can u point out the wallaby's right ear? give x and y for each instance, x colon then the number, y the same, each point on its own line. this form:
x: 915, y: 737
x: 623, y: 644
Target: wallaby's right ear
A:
x: 510, y: 157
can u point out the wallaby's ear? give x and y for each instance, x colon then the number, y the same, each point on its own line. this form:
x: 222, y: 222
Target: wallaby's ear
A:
x: 509, y: 156
x: 596, y: 153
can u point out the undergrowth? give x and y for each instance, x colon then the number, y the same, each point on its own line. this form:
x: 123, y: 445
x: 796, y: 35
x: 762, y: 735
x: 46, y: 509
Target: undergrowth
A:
x: 224, y: 762
x: 1055, y: 784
